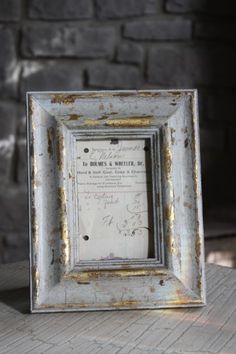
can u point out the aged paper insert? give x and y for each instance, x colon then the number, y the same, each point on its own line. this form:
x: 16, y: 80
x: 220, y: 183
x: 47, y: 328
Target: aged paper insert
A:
x: 114, y: 199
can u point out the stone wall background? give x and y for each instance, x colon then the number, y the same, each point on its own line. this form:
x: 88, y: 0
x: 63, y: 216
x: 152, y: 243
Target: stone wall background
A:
x: 116, y: 44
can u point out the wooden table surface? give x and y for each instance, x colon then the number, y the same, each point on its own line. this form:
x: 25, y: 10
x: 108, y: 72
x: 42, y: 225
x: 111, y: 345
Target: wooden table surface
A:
x: 211, y: 329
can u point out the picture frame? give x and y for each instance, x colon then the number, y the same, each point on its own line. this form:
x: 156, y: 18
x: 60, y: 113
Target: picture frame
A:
x: 115, y: 208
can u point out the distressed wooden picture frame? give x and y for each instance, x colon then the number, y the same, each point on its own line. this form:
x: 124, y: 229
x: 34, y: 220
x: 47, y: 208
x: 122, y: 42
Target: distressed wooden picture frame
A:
x: 92, y: 249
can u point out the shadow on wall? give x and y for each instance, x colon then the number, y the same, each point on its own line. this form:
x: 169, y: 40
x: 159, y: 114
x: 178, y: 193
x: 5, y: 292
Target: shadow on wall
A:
x: 214, y: 73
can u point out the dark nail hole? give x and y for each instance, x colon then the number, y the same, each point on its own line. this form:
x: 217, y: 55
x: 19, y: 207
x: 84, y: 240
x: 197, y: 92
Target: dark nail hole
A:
x: 146, y: 148
x: 86, y: 150
x: 86, y: 237
x: 114, y: 141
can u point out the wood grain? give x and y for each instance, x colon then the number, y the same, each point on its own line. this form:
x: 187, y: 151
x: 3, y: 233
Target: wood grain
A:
x: 211, y: 329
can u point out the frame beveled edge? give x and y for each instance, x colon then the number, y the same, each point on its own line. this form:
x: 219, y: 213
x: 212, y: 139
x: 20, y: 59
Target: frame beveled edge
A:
x: 196, y: 177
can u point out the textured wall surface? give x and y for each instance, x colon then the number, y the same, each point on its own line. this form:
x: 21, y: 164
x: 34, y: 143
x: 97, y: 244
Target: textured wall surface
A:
x: 115, y: 44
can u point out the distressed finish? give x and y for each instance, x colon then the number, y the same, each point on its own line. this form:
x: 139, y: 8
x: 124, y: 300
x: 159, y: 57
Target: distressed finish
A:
x: 210, y: 329
x: 59, y: 280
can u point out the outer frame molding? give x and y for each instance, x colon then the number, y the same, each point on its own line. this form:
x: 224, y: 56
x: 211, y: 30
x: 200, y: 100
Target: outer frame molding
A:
x: 57, y: 283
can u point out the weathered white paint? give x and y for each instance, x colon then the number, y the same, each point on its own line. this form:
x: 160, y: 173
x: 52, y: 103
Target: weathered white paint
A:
x: 60, y: 281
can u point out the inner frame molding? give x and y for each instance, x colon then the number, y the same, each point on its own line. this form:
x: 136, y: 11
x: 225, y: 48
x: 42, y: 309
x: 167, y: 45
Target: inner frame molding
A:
x: 156, y: 214
x: 174, y: 275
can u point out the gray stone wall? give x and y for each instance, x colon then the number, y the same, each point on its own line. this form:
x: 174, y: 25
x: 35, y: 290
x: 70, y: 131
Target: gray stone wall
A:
x: 115, y: 44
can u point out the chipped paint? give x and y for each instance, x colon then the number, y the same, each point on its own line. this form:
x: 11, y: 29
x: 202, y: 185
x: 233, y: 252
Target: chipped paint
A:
x: 65, y: 241
x: 130, y: 122
x: 50, y: 138
x: 199, y: 281
x: 63, y: 99
x: 36, y: 183
x: 120, y: 273
x: 34, y: 228
x: 187, y: 205
x: 103, y: 117
x: 63, y: 306
x: 170, y: 218
x: 148, y: 94
x: 123, y: 94
x: 74, y: 117
x: 172, y: 132
x: 152, y: 289
x: 169, y: 213
x: 167, y: 153
x: 35, y: 282
x: 31, y: 106
x: 175, y: 93
x: 126, y: 303
x: 91, y: 122
x: 169, y: 210
x: 198, y: 247
x: 59, y: 150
